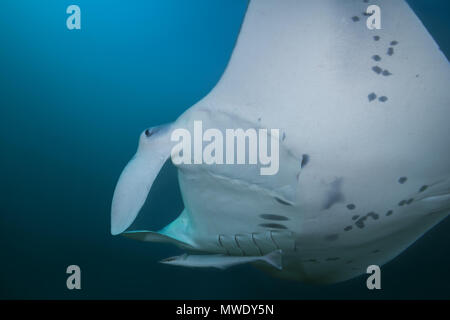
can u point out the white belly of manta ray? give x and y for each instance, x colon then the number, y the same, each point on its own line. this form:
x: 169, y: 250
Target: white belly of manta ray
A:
x: 364, y: 157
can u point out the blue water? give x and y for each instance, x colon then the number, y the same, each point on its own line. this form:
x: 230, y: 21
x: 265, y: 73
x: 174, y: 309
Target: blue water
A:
x: 72, y: 106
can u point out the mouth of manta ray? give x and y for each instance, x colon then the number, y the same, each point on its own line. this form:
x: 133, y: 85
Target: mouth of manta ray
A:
x: 164, y: 202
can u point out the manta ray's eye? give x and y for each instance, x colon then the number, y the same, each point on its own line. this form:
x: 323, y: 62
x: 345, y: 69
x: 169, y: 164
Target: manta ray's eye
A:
x: 151, y: 131
x: 148, y: 132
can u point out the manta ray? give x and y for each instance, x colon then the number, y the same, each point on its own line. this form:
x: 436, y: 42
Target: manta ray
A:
x: 364, y: 145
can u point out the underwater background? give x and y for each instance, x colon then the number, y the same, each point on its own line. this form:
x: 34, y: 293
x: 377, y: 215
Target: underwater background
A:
x: 72, y: 106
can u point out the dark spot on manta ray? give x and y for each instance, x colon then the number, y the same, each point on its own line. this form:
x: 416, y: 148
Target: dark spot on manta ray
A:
x: 376, y: 57
x: 373, y: 215
x: 334, y: 194
x: 273, y: 226
x: 377, y: 69
x: 376, y: 38
x: 332, y: 259
x: 383, y: 99
x: 360, y: 222
x: 283, y: 137
x: 355, y: 217
x: 394, y: 43
x: 366, y: 1
x: 402, y: 180
x: 274, y: 217
x: 390, y: 52
x: 348, y: 228
x: 402, y: 203
x: 390, y: 212
x: 410, y: 201
x: 305, y: 160
x: 259, y: 119
x: 351, y: 206
x: 283, y: 202
x: 386, y: 73
x: 332, y: 237
x: 376, y: 251
x: 355, y: 18
x: 423, y: 188
x: 365, y: 13
x: 372, y: 96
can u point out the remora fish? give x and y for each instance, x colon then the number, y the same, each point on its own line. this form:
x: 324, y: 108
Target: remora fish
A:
x: 221, y: 261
